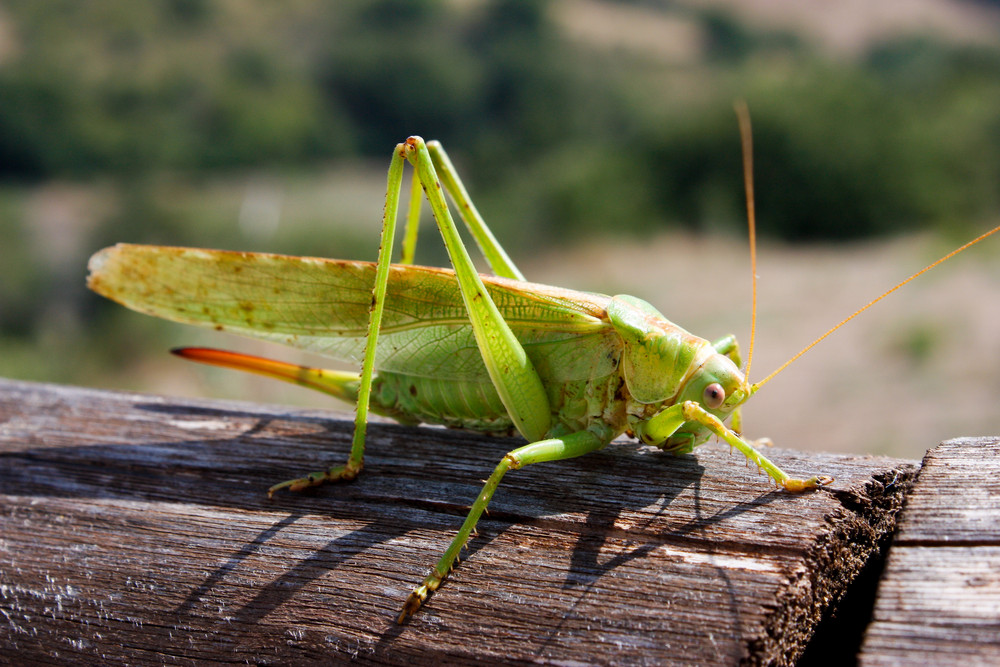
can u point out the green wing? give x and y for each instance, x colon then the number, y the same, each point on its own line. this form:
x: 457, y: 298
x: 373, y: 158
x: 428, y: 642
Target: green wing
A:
x: 321, y: 305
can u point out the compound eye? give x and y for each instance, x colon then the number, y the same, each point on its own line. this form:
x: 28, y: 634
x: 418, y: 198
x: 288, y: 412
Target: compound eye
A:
x: 714, y: 396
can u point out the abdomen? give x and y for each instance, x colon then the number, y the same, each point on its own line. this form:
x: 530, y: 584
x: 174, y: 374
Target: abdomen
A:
x: 476, y: 406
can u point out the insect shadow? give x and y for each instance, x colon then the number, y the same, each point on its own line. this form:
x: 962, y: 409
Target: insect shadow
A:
x: 184, y: 457
x: 282, y: 589
x: 283, y: 432
x: 601, y: 526
x: 215, y: 457
x: 684, y: 475
x: 645, y: 484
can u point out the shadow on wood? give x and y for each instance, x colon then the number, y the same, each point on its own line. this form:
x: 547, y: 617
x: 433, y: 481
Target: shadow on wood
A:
x: 137, y: 528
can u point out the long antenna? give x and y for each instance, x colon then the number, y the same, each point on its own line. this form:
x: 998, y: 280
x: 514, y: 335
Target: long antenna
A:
x: 746, y: 140
x: 871, y: 303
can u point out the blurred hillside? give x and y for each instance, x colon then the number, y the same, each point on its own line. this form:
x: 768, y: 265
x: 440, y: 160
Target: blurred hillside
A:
x: 266, y: 126
x: 899, y: 130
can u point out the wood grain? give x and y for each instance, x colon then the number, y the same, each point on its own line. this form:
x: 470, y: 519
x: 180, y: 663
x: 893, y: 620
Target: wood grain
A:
x: 136, y: 529
x: 938, y: 601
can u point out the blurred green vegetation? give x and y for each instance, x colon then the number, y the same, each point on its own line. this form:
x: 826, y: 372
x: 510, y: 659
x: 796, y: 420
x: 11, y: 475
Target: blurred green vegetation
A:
x: 186, y: 121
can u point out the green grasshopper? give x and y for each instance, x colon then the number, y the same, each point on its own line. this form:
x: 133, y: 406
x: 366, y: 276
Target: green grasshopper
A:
x: 569, y: 371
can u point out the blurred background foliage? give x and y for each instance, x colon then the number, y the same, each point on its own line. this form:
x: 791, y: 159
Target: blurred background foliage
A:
x: 268, y: 126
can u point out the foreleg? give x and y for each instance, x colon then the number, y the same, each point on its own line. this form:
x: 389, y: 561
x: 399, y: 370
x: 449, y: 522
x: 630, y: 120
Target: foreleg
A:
x: 669, y: 421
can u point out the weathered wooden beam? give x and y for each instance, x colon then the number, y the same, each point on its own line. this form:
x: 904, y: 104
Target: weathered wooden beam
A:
x: 939, y: 598
x: 136, y: 529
